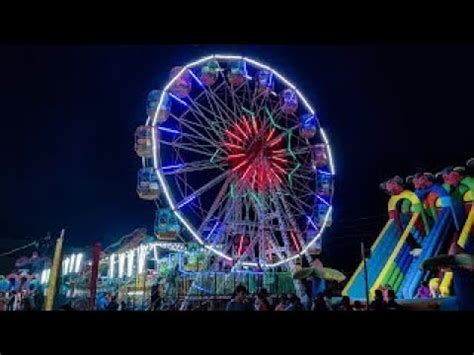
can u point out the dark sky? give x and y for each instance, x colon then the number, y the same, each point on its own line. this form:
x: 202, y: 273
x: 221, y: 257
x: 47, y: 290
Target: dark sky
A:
x: 69, y: 114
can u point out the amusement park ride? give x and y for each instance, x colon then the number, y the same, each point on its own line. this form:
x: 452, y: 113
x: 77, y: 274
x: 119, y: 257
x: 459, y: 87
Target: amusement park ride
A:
x: 236, y: 159
x: 240, y: 171
x: 434, y: 219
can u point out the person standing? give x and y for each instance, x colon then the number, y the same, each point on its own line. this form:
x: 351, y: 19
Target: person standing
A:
x: 392, y: 305
x: 113, y: 305
x: 295, y: 304
x: 378, y: 303
x: 282, y: 304
x: 3, y: 301
x: 345, y: 304
x: 423, y: 291
x: 239, y: 301
x: 102, y: 302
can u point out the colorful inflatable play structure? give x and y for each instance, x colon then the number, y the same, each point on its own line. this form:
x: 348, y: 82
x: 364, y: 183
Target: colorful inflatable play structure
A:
x: 433, y: 218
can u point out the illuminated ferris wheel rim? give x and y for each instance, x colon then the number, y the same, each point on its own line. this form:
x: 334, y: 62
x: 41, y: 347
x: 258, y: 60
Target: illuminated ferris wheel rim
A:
x: 164, y: 185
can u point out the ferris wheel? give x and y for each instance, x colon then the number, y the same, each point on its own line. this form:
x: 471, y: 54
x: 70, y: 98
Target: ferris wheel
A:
x: 241, y: 160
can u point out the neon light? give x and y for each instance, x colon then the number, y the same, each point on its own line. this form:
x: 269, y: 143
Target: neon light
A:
x: 246, y: 172
x: 280, y: 159
x: 228, y: 57
x: 326, y: 217
x: 240, y: 130
x: 331, y: 163
x: 270, y: 134
x: 142, y: 252
x: 249, y: 264
x: 278, y: 167
x: 178, y: 99
x: 322, y: 200
x: 212, y: 231
x: 111, y: 266
x: 233, y: 145
x: 169, y: 130
x: 312, y: 223
x: 78, y: 262
x: 188, y: 227
x: 234, y: 136
x: 294, y: 241
x: 247, y: 125
x: 322, y: 172
x: 71, y: 263
x: 239, y: 166
x: 121, y: 265
x: 65, y: 266
x: 155, y: 252
x: 172, y: 166
x: 130, y: 257
x: 239, y: 252
x: 218, y: 252
x: 213, y: 156
x: 195, y: 77
x: 43, y: 276
x: 186, y: 201
x: 275, y: 141
x: 231, y: 156
x: 199, y: 61
x: 254, y: 124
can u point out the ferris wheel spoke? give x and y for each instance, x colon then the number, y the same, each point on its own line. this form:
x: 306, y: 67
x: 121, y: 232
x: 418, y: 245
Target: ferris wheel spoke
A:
x: 197, y: 134
x: 202, y: 189
x: 223, y: 108
x: 190, y: 167
x: 188, y: 148
x: 210, y: 134
x: 188, y: 189
x: 203, y: 117
x: 291, y: 219
x: 217, y: 202
x: 297, y: 196
x: 218, y: 119
x: 225, y: 222
x: 281, y: 223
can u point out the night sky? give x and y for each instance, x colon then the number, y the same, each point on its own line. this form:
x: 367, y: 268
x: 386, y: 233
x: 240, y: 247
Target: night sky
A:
x: 69, y: 114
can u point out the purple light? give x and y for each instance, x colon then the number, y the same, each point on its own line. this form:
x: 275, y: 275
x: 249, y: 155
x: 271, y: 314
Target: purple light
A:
x: 195, y: 77
x: 178, y: 99
x: 185, y: 202
x: 164, y: 129
x: 322, y: 172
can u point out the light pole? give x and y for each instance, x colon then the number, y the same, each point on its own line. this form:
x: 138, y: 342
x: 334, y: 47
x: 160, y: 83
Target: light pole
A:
x: 364, y: 260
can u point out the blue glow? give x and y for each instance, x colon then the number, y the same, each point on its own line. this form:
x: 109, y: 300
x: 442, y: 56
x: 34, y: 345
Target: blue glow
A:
x: 312, y: 223
x: 323, y: 200
x: 212, y: 231
x: 322, y: 172
x: 195, y: 77
x: 164, y: 129
x: 201, y: 289
x: 185, y: 202
x: 179, y: 100
x: 172, y: 166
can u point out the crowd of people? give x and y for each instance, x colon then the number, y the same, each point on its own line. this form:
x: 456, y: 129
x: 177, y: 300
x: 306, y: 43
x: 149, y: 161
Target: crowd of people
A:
x: 22, y: 298
x: 242, y: 301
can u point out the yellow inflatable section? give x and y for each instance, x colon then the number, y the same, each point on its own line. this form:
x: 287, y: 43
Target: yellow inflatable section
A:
x: 394, y: 254
x: 406, y: 194
x: 361, y: 265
